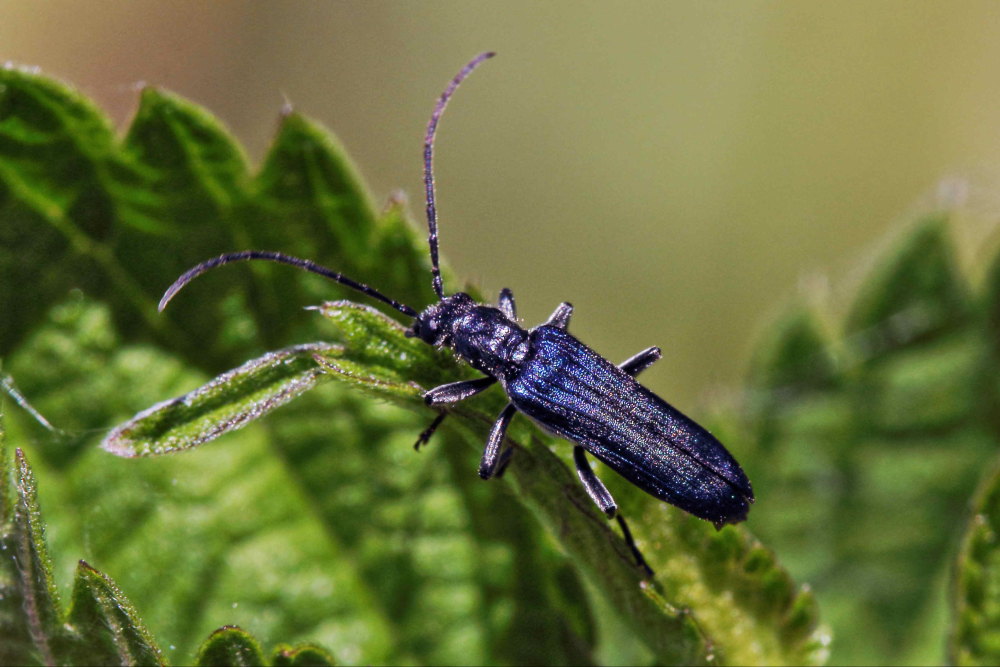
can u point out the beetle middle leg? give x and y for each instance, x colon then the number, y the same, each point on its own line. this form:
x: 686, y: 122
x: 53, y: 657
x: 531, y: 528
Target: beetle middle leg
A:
x: 603, y: 499
x: 505, y: 457
x: 560, y: 316
x: 492, y: 455
x: 506, y: 304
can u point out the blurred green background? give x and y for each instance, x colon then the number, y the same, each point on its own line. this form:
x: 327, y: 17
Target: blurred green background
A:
x: 675, y: 169
x: 679, y: 171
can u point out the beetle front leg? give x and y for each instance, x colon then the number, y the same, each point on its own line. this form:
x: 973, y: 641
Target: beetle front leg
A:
x: 560, y: 316
x: 453, y: 392
x: 640, y: 362
x: 491, y: 454
x: 426, y: 434
x: 506, y: 304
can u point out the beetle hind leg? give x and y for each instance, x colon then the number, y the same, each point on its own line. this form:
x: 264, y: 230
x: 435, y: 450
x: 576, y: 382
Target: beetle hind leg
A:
x: 627, y: 534
x: 592, y: 483
x: 640, y: 362
x: 602, y: 498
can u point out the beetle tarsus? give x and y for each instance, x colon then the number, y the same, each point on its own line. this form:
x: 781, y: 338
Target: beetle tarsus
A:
x: 426, y: 434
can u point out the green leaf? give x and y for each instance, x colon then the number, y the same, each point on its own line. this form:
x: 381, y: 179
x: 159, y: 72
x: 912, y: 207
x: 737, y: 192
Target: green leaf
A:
x: 301, y: 656
x: 910, y: 296
x: 227, y: 403
x: 308, y: 180
x: 975, y: 636
x: 116, y: 636
x: 378, y: 356
x: 31, y: 624
x: 102, y: 626
x: 230, y: 646
x: 56, y: 155
x: 869, y: 437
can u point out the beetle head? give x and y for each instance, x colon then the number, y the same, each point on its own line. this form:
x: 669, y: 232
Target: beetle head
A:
x: 435, y: 324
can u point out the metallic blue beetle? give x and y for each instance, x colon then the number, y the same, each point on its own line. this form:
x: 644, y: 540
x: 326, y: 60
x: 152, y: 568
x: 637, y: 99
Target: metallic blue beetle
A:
x: 557, y: 381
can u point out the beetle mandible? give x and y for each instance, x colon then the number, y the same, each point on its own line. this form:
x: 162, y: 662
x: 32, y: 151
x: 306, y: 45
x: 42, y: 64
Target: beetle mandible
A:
x: 557, y: 381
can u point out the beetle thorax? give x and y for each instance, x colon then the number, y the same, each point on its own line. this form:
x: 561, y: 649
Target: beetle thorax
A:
x: 481, y: 335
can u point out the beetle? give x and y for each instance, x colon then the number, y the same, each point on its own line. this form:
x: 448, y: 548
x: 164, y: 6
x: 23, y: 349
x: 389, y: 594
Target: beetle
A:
x: 561, y: 384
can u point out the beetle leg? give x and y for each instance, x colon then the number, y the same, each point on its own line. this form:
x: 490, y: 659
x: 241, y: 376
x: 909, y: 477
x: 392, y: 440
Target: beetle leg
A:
x: 506, y: 303
x: 453, y: 392
x: 640, y: 362
x: 600, y: 495
x: 425, y: 436
x: 627, y: 534
x: 594, y: 486
x: 491, y: 454
x: 560, y: 316
x: 505, y: 457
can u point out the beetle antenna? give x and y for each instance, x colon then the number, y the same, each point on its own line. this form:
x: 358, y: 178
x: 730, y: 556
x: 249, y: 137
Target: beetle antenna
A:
x: 304, y: 264
x: 432, y: 238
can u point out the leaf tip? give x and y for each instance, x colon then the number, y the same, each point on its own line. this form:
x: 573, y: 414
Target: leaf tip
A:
x: 119, y: 445
x: 25, y: 476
